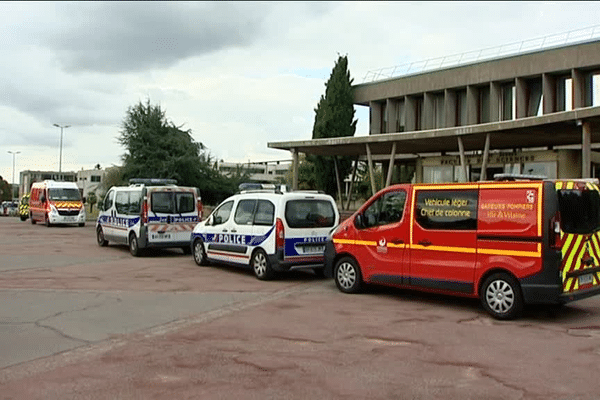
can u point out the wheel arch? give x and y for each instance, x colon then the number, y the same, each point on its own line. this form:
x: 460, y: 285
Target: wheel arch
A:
x: 492, y: 271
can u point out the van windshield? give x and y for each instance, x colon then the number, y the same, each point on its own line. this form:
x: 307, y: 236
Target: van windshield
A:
x: 64, y: 194
x: 579, y: 211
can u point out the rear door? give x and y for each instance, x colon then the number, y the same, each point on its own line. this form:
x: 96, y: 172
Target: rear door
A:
x: 444, y: 237
x: 308, y: 221
x: 579, y: 207
x: 172, y: 215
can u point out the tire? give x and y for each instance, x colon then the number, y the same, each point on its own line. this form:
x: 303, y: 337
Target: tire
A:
x: 33, y: 221
x: 261, y: 265
x: 199, y: 252
x: 81, y: 224
x: 102, y: 242
x: 47, y: 221
x: 319, y: 272
x: 187, y: 250
x: 23, y: 217
x: 347, y: 276
x: 501, y: 296
x: 134, y: 247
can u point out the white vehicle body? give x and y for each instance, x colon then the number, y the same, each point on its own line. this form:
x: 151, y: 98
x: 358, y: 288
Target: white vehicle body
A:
x: 268, y: 230
x: 142, y: 216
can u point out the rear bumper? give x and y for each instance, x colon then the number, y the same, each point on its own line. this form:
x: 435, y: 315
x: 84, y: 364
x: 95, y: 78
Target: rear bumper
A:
x: 278, y: 263
x: 553, y: 294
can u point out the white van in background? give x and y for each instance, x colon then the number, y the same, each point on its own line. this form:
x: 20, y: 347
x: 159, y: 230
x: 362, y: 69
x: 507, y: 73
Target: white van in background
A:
x: 149, y: 213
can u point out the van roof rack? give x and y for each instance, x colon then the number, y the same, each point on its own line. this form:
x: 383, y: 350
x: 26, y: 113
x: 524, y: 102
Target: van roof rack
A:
x: 152, y: 181
x: 518, y: 177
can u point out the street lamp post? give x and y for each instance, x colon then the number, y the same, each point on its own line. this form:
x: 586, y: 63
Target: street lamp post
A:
x: 14, y: 154
x: 61, y: 138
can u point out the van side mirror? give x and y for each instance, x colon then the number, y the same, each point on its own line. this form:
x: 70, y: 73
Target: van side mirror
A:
x: 359, y: 221
x: 217, y: 220
x: 43, y: 199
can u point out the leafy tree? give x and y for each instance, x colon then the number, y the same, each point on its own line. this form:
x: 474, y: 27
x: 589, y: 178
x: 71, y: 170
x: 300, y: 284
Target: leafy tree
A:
x: 334, y: 117
x: 157, y: 148
x: 5, y: 190
x: 91, y: 200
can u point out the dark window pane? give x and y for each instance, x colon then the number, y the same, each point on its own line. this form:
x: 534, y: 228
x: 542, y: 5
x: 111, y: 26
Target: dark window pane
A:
x: 308, y: 213
x: 579, y: 211
x: 265, y: 213
x: 447, y: 209
x: 244, y: 212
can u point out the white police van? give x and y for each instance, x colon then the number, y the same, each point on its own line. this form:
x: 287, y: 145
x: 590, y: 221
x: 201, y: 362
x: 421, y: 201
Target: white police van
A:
x: 269, y: 230
x: 149, y: 213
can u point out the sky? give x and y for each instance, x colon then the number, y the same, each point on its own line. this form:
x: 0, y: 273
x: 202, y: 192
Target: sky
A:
x: 237, y: 74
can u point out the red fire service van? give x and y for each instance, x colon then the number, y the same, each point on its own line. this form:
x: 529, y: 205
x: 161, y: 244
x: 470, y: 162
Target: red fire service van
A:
x: 510, y: 242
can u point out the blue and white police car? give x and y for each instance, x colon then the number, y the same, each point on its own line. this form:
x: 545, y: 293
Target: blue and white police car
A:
x: 149, y: 213
x: 268, y: 230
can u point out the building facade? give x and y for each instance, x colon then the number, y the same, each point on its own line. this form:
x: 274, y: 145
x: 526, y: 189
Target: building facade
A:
x: 536, y: 113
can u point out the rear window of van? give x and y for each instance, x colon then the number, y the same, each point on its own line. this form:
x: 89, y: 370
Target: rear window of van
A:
x: 173, y: 202
x: 579, y: 211
x: 309, y: 213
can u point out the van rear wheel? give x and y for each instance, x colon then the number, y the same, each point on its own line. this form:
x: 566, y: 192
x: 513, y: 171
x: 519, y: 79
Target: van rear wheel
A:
x: 501, y: 296
x: 134, y: 248
x: 347, y: 275
x: 261, y: 266
x: 47, y: 221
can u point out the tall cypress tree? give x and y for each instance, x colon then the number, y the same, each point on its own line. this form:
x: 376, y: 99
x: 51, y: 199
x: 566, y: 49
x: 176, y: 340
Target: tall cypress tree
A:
x: 334, y: 117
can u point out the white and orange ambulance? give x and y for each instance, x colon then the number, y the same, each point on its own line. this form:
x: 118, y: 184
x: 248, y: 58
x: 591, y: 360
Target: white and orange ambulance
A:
x: 53, y: 202
x: 509, y: 242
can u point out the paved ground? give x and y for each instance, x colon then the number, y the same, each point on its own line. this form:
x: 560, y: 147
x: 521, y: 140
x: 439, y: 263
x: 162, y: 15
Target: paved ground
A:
x: 82, y: 322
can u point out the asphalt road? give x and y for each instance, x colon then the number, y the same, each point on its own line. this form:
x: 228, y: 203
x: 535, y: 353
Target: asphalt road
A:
x: 82, y: 322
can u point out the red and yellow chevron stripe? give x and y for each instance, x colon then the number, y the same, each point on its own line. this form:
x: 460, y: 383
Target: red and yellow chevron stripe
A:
x: 579, y: 252
x: 67, y: 204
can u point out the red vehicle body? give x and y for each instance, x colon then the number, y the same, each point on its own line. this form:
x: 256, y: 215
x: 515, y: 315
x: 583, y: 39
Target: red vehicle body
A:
x: 509, y: 243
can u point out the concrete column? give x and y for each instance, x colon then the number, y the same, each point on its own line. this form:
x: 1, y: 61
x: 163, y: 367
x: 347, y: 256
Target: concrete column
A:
x: 390, y: 109
x: 521, y: 97
x: 294, y: 169
x: 472, y: 105
x: 463, y: 161
x: 549, y: 93
x: 375, y: 118
x: 450, y: 107
x: 586, y: 150
x: 410, y: 110
x: 428, y: 105
x: 371, y: 174
x: 578, y: 88
x: 486, y: 154
x: 495, y: 99
x: 388, y: 179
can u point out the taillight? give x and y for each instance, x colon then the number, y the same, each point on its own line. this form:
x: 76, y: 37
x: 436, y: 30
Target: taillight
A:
x: 555, y: 239
x: 200, y: 210
x: 144, y: 212
x: 279, y: 234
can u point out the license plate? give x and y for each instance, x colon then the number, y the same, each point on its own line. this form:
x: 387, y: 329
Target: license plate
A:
x: 70, y: 219
x: 586, y: 279
x: 160, y: 236
x: 313, y: 249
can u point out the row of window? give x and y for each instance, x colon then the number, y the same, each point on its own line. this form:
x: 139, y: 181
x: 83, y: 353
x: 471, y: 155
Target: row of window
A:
x: 129, y: 202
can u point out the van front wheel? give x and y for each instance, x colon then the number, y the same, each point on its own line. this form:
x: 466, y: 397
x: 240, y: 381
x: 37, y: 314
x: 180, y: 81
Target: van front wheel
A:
x: 199, y: 252
x: 501, y: 296
x: 347, y: 275
x: 102, y: 242
x: 261, y: 266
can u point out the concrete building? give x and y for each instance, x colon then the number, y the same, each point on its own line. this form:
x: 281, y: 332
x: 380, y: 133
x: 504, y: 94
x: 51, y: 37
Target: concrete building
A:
x: 27, y: 178
x: 536, y: 112
x: 89, y: 180
x: 260, y: 172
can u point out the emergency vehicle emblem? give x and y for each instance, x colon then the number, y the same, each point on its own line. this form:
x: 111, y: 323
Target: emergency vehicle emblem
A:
x: 530, y: 196
x: 382, y: 246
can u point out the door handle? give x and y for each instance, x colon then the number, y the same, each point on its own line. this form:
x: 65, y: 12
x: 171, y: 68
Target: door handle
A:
x: 397, y: 241
x: 225, y: 230
x: 233, y: 231
x: 425, y: 242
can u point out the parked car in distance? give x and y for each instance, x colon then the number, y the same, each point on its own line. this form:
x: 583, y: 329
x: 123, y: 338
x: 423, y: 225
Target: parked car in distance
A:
x: 9, y: 208
x: 268, y: 230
